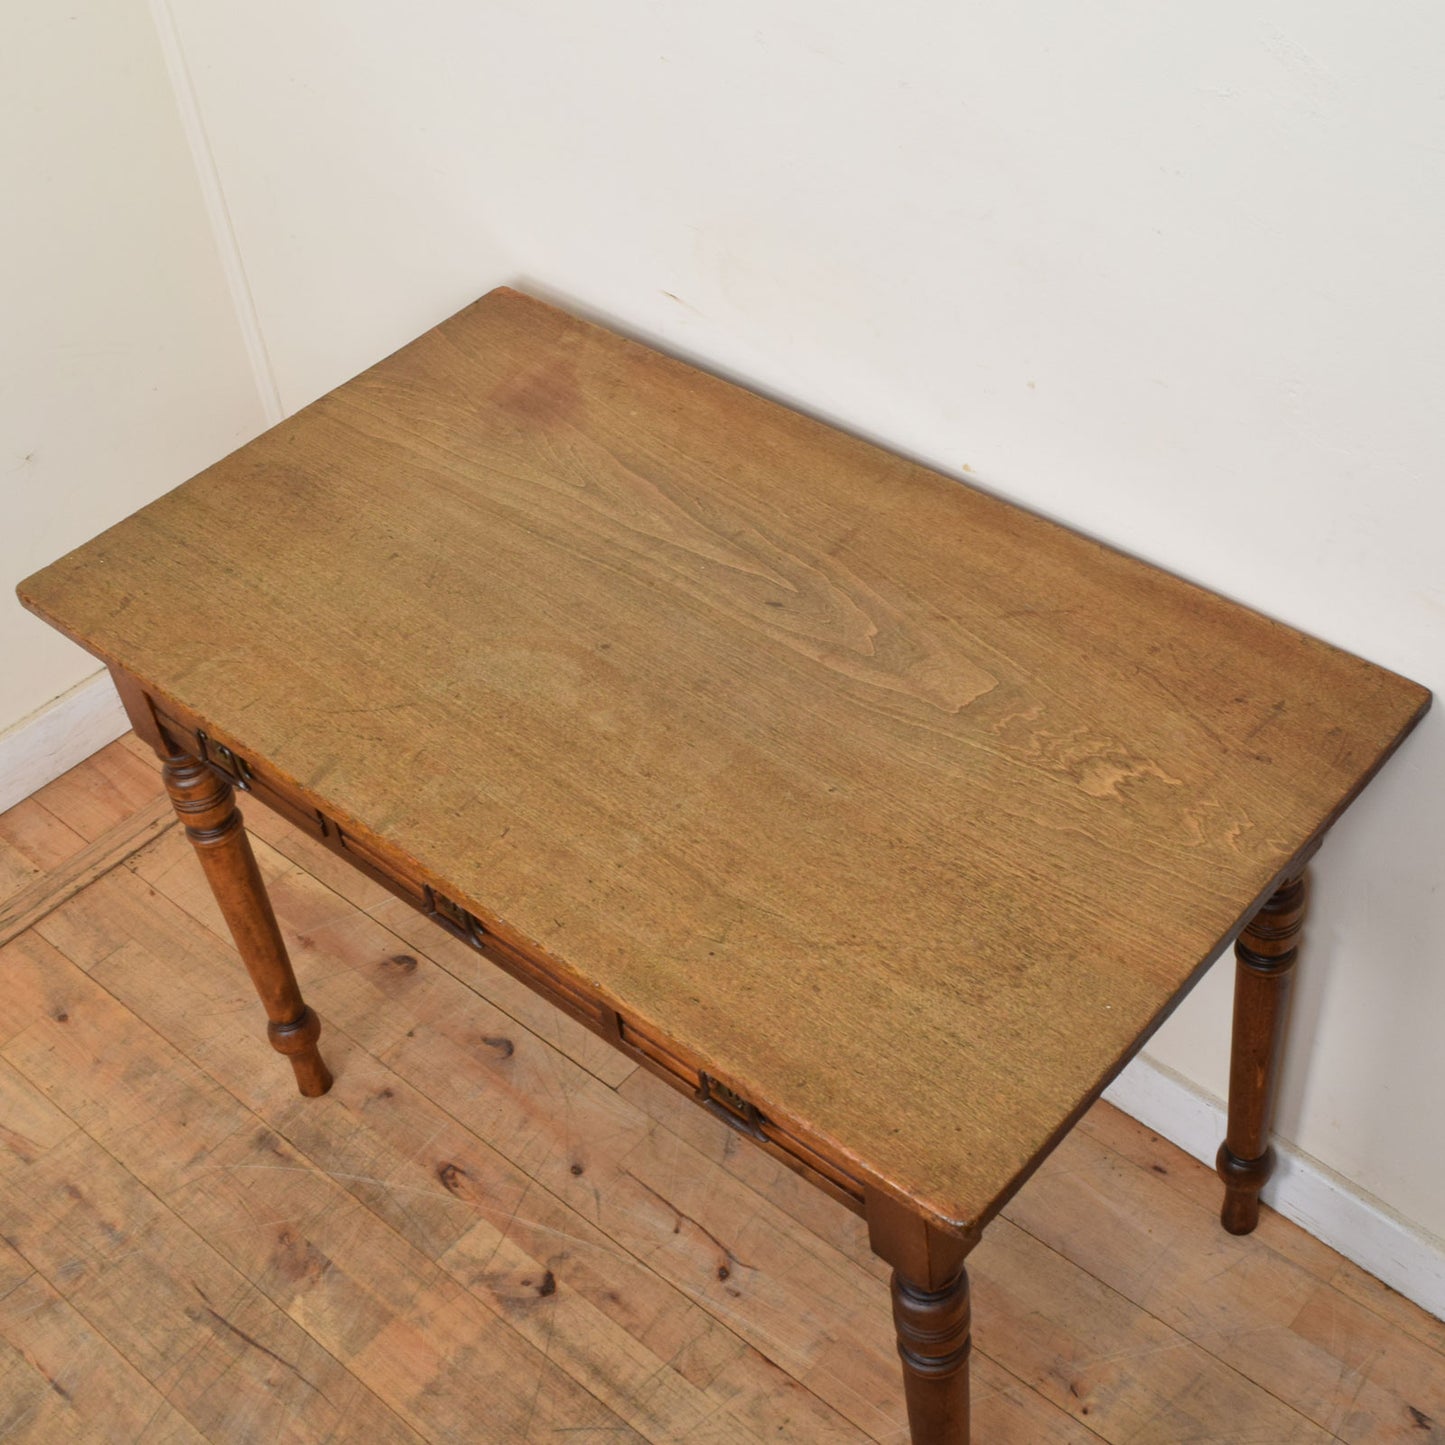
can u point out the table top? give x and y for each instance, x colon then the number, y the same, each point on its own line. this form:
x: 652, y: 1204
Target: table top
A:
x: 908, y: 811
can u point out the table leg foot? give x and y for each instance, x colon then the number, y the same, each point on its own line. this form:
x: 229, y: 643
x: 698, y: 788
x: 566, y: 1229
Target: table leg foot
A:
x: 206, y: 805
x: 1264, y: 969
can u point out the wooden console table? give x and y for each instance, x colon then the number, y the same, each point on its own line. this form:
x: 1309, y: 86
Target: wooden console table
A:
x: 885, y: 819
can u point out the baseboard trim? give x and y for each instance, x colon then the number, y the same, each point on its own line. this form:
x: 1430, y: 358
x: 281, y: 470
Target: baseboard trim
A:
x: 1332, y: 1208
x: 54, y: 738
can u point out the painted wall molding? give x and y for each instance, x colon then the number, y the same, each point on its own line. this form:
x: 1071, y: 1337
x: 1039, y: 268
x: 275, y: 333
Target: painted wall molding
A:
x: 54, y: 738
x: 218, y: 212
x: 1333, y: 1209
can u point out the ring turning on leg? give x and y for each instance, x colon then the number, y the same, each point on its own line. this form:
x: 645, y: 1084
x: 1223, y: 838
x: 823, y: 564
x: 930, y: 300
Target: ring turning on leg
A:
x: 206, y: 805
x: 934, y: 1342
x: 1264, y: 970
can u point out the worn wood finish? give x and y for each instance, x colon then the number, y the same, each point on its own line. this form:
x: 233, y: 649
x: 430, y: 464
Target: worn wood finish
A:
x: 119, y: 783
x: 33, y: 841
x: 26, y: 907
x: 698, y: 725
x: 1265, y: 955
x: 206, y: 806
x: 430, y: 1353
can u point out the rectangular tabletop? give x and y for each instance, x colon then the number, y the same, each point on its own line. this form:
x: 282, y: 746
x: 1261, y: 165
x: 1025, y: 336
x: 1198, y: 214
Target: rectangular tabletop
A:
x: 907, y: 811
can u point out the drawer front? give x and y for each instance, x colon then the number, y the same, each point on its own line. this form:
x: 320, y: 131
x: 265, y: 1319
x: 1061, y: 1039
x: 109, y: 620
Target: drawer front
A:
x: 371, y: 862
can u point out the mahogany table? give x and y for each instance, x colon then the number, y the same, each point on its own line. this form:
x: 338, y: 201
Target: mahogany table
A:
x: 884, y: 818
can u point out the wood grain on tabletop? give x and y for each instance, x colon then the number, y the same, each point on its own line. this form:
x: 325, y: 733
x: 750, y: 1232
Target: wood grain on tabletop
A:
x: 908, y: 810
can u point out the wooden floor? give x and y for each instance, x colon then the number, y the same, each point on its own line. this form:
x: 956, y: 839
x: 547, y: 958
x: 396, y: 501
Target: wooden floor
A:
x: 495, y: 1229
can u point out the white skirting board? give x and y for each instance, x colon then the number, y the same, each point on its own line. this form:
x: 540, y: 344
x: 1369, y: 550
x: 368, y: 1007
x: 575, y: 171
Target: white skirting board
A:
x: 54, y: 738
x: 1331, y: 1208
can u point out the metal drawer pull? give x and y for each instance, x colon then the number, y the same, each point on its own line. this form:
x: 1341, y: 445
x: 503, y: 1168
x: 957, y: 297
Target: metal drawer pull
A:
x: 219, y: 756
x: 730, y: 1106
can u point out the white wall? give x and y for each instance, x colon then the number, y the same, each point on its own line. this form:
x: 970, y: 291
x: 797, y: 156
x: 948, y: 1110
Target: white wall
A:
x: 121, y: 365
x: 1171, y: 275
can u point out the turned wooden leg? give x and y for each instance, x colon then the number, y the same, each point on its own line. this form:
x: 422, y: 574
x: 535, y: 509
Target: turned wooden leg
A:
x: 933, y: 1343
x: 1264, y: 969
x: 206, y: 805
x: 932, y: 1316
